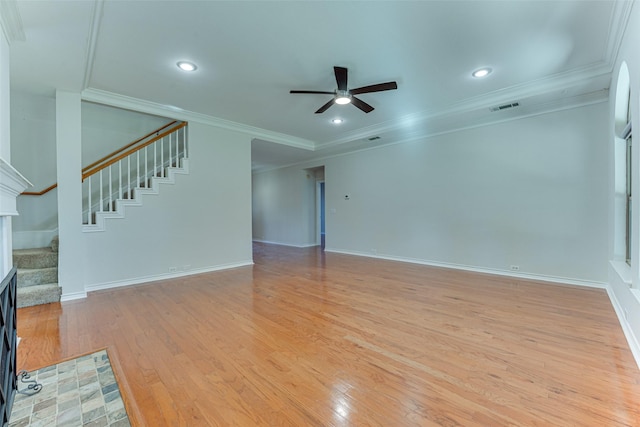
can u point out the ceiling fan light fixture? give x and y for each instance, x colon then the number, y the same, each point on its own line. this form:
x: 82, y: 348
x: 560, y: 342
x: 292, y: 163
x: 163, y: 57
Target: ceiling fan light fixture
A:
x: 187, y: 66
x: 482, y: 72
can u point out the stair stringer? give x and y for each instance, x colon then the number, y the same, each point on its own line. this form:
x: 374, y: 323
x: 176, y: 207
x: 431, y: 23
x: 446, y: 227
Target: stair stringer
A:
x: 138, y: 192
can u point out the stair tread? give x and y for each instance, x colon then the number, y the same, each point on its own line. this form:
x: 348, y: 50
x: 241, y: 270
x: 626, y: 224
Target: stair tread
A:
x: 38, y: 294
x: 30, y: 270
x: 34, y: 288
x: 35, y: 258
x: 32, y: 251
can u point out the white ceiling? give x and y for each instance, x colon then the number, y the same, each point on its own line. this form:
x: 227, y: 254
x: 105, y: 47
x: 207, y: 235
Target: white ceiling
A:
x: 544, y: 54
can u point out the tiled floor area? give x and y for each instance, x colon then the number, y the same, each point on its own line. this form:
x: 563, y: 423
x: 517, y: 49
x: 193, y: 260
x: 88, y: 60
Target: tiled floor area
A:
x: 79, y: 392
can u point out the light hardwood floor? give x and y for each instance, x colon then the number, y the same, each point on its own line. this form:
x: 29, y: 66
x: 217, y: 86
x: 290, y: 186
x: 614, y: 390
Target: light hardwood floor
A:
x: 304, y: 338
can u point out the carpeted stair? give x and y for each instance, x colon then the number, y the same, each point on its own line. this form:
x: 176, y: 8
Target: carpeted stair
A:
x: 37, y: 275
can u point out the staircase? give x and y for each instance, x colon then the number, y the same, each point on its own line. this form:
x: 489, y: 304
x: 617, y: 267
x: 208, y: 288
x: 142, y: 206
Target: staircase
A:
x: 120, y: 179
x: 37, y: 275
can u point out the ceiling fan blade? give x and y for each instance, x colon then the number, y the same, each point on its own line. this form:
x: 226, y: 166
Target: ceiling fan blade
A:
x: 312, y: 91
x: 361, y: 104
x: 325, y: 107
x: 375, y: 88
x: 341, y: 77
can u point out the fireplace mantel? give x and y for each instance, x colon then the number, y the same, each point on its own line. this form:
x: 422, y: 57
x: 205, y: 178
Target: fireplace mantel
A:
x: 12, y: 183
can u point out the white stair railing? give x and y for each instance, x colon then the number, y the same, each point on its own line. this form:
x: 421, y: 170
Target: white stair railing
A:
x: 118, y: 178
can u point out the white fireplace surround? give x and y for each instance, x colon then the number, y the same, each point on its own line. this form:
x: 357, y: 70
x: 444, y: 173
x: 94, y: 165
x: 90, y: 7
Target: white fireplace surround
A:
x: 12, y: 183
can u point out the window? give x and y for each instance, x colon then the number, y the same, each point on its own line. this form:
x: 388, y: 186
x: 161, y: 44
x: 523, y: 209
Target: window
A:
x: 629, y: 169
x: 624, y: 224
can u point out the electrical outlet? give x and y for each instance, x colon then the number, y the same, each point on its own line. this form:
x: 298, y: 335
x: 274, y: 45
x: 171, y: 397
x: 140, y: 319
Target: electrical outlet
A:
x: 515, y: 268
x: 173, y: 269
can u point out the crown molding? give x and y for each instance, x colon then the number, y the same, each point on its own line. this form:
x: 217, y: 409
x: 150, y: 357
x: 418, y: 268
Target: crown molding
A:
x: 532, y: 111
x: 149, y: 107
x: 11, y: 22
x: 94, y: 30
x: 617, y: 27
x: 552, y: 83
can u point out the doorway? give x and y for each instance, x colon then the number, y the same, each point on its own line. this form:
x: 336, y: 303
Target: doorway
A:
x: 320, y: 215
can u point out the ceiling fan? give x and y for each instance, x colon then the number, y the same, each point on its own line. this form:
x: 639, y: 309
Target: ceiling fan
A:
x: 344, y: 95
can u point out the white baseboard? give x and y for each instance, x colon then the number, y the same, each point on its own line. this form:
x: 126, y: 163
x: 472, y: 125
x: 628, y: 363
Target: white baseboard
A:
x: 509, y: 273
x: 33, y: 239
x: 632, y: 340
x: 307, y: 245
x: 155, y: 278
x: 72, y: 296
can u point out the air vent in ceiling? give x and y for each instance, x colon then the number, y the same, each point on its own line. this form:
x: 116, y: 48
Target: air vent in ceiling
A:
x: 505, y: 106
x: 373, y: 138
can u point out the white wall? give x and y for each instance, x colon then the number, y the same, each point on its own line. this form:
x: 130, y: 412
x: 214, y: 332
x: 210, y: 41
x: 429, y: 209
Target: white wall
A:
x: 624, y: 280
x: 530, y: 192
x: 203, y: 221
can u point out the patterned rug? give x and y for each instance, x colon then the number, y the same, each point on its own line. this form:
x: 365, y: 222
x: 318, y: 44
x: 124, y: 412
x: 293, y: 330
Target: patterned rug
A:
x: 78, y: 392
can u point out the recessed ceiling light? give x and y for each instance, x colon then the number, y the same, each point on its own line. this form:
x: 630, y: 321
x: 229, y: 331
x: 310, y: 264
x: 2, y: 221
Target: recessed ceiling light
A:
x: 482, y: 72
x: 187, y: 66
x: 337, y: 121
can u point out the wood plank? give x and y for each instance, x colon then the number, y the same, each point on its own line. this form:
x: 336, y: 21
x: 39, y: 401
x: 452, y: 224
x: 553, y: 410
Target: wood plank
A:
x: 308, y: 338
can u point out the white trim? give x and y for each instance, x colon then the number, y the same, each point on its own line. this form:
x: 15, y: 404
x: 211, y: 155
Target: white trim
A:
x: 467, y: 107
x: 498, y: 272
x: 156, y: 277
x: 632, y: 340
x: 306, y: 245
x: 12, y: 183
x: 98, y: 7
x: 73, y: 296
x: 11, y: 21
x: 319, y: 212
x: 129, y: 103
x: 592, y: 99
x: 617, y: 27
x: 623, y: 270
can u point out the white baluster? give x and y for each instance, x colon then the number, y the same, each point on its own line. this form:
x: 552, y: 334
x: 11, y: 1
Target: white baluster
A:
x: 101, y: 199
x: 184, y: 140
x: 120, y: 179
x: 170, y: 157
x: 162, y: 156
x: 110, y: 191
x: 129, y: 176
x: 89, y: 219
x: 137, y: 168
x: 155, y: 158
x: 146, y: 173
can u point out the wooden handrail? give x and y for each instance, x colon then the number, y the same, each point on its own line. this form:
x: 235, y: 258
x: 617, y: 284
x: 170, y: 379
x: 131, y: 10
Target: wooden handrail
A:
x: 120, y: 150
x: 131, y: 151
x: 88, y: 168
x: 39, y: 193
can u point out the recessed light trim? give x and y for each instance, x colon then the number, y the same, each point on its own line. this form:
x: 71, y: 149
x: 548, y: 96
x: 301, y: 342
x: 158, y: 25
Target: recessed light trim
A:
x: 187, y: 66
x: 337, y: 121
x: 481, y: 72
